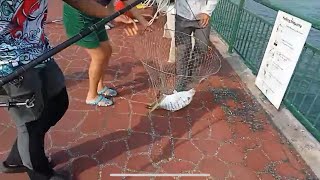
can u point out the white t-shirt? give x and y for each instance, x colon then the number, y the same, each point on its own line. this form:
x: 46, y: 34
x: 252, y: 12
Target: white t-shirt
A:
x: 189, y: 9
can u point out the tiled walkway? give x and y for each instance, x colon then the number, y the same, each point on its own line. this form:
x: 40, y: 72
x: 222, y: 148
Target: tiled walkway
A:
x: 224, y: 132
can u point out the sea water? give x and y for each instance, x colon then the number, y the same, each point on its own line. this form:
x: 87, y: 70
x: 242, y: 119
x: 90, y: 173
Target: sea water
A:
x: 309, y: 8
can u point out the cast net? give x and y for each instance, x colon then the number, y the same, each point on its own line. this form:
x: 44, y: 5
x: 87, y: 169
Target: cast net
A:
x: 176, y: 65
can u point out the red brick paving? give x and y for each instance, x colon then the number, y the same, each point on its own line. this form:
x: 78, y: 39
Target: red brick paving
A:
x: 224, y: 132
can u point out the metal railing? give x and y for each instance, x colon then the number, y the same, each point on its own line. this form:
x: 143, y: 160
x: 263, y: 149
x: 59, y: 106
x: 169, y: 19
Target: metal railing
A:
x: 248, y: 34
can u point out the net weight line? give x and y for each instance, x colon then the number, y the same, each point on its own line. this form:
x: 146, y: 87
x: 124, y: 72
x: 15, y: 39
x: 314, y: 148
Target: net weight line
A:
x: 66, y: 44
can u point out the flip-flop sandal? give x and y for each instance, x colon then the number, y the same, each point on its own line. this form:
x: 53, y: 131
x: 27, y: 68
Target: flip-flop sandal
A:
x: 108, y: 92
x: 100, y: 101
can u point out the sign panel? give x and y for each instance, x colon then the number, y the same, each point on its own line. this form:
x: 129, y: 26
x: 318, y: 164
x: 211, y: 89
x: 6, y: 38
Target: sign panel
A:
x: 287, y: 40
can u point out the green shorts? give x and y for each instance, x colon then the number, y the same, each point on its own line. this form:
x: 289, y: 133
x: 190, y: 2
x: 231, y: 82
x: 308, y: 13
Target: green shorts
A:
x: 74, y: 21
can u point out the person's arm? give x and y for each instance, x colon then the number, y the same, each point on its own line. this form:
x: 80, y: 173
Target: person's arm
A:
x: 90, y: 7
x: 211, y: 5
x: 136, y: 14
x: 204, y: 16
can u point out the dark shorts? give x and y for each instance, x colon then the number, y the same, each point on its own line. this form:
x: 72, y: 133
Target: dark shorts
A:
x: 188, y: 27
x: 188, y: 67
x: 38, y: 84
x: 74, y: 21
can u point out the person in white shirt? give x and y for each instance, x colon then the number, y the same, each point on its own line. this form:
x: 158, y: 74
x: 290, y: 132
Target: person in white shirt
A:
x: 192, y: 17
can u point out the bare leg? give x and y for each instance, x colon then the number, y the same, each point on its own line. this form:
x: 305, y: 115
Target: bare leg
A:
x: 108, y: 51
x: 99, y: 59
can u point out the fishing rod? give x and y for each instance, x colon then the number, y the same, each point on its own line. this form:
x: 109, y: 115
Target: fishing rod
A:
x: 20, y: 70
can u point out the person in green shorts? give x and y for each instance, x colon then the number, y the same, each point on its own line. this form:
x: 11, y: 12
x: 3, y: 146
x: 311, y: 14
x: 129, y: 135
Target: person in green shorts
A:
x: 98, y: 47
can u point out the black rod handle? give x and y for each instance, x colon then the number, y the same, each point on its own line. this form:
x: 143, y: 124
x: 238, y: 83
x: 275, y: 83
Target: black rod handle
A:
x: 67, y: 43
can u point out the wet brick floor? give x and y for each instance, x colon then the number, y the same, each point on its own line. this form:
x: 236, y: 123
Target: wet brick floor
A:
x: 224, y: 132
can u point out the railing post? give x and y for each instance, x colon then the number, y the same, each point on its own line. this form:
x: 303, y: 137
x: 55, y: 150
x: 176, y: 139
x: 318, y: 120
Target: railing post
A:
x: 235, y: 26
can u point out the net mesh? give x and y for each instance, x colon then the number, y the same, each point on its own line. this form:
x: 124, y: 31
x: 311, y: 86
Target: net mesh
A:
x: 178, y: 63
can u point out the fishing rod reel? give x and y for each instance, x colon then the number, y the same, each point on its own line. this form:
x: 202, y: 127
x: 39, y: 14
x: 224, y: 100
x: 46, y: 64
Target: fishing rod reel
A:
x: 6, y: 101
x: 29, y: 103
